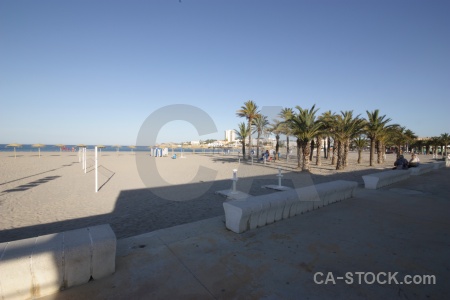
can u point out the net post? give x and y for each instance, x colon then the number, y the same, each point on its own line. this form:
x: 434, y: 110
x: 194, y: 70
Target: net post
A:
x: 96, y: 170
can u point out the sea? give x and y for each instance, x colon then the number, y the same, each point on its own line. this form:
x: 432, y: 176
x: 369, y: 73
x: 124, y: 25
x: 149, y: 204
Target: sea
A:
x: 68, y: 148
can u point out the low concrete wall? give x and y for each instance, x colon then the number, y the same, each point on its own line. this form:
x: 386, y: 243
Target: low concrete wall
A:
x: 422, y: 169
x: 43, y: 265
x: 258, y: 211
x: 380, y: 179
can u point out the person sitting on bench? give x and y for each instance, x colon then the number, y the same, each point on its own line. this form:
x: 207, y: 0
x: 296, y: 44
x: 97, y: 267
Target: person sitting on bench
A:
x: 414, y: 161
x: 401, y: 163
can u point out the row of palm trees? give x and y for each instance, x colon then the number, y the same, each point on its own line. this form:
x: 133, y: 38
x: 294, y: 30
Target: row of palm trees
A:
x: 344, y: 129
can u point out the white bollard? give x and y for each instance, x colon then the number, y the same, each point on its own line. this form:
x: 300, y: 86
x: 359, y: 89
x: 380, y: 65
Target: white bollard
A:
x: 279, y: 176
x: 84, y: 159
x: 234, y: 179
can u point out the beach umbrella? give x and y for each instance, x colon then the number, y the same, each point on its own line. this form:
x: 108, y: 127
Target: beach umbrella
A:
x: 60, y: 147
x: 117, y: 146
x: 81, y: 146
x: 132, y: 147
x: 101, y: 147
x: 39, y: 146
x: 14, y: 145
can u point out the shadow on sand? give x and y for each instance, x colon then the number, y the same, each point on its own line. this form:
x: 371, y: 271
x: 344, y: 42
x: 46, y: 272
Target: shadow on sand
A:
x: 143, y: 210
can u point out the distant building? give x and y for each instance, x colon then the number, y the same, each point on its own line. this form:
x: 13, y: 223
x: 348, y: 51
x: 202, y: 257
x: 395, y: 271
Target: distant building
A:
x: 195, y: 143
x: 230, y: 135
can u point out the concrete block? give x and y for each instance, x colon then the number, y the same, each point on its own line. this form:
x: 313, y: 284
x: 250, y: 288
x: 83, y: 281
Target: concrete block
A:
x: 339, y: 190
x: 237, y: 215
x: 103, y: 251
x: 261, y: 210
x: 290, y: 204
x: 280, y: 204
x: 16, y: 280
x: 377, y: 180
x: 422, y: 169
x: 47, y: 264
x: 77, y: 257
x: 439, y: 164
x: 265, y: 207
x: 274, y: 203
x: 256, y: 210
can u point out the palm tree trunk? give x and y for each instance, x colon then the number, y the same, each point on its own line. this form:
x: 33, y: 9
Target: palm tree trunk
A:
x: 380, y: 152
x: 359, y: 155
x: 334, y: 153
x: 277, y: 147
x: 243, y: 148
x: 257, y: 146
x: 319, y: 147
x: 312, y: 150
x: 299, y: 154
x: 328, y: 147
x: 340, y: 156
x: 249, y: 138
x: 306, y: 149
x: 287, y: 146
x: 345, y: 156
x: 325, y: 150
x: 372, y: 150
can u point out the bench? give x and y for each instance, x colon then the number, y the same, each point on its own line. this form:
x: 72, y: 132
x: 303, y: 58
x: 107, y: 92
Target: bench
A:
x: 258, y: 211
x: 380, y: 179
x: 43, y: 265
x: 422, y: 169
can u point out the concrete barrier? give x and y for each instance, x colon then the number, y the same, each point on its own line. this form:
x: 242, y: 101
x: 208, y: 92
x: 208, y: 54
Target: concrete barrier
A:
x: 422, y: 169
x: 43, y: 265
x: 258, y: 211
x: 380, y: 179
x: 439, y: 164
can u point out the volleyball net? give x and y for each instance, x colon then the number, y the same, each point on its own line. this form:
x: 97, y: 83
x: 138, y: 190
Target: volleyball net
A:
x: 89, y: 162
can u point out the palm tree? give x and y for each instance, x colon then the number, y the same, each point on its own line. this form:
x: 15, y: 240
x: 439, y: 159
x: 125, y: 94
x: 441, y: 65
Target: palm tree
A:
x: 375, y: 125
x: 249, y: 111
x: 260, y: 123
x: 346, y: 128
x: 285, y: 114
x: 418, y: 145
x: 242, y: 134
x: 396, y: 136
x: 305, y: 127
x: 276, y: 128
x: 410, y: 138
x: 327, y: 118
x: 445, y: 138
x: 434, y: 141
x: 360, y: 142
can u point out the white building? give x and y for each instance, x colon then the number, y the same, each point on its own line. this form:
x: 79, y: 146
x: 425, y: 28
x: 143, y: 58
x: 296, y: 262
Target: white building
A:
x: 195, y: 143
x: 230, y: 135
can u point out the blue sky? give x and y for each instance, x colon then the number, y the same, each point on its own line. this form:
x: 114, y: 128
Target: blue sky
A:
x: 92, y: 71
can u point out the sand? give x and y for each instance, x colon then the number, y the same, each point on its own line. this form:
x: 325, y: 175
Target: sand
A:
x: 52, y: 193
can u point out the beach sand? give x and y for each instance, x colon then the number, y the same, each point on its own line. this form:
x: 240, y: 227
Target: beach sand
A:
x: 52, y: 193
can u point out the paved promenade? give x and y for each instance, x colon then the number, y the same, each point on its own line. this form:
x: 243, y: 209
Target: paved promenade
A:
x: 402, y: 228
